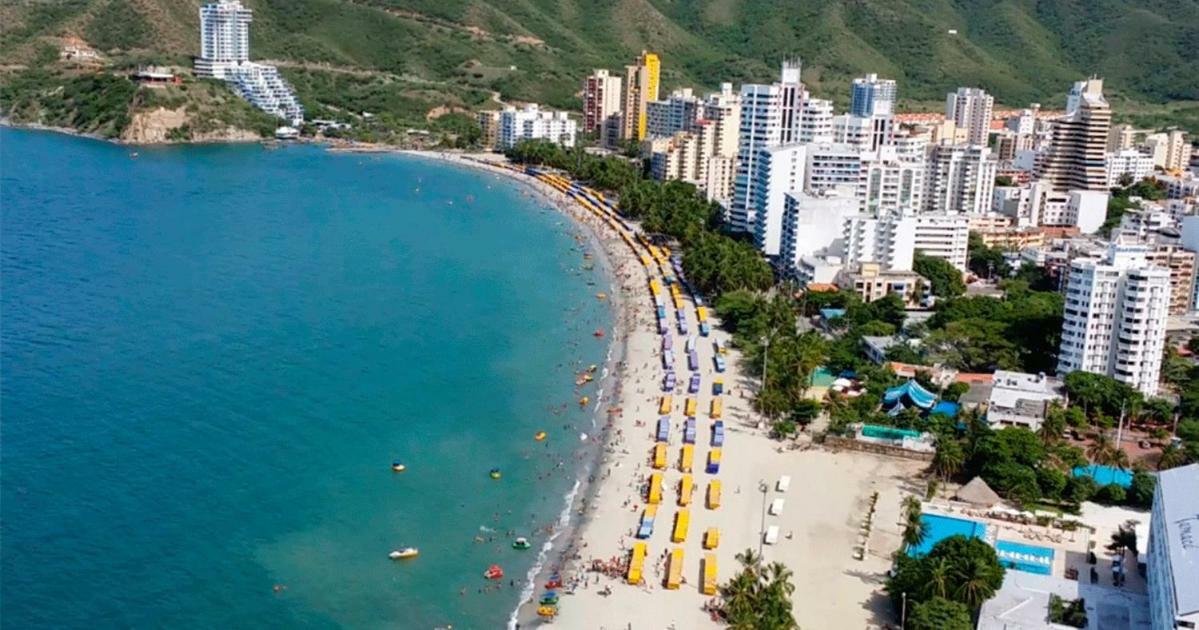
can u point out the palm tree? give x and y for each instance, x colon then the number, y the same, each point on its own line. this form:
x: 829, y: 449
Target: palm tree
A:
x: 915, y: 530
x: 911, y: 506
x: 1100, y: 450
x: 938, y: 576
x: 780, y: 578
x: 1053, y: 425
x: 1118, y: 458
x: 974, y: 583
x: 1172, y: 457
x: 948, y: 458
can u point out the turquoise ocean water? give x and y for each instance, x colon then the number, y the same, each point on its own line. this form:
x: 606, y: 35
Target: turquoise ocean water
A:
x: 209, y: 357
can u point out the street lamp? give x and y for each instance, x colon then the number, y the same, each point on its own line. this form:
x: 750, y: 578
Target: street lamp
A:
x: 903, y: 612
x: 762, y: 487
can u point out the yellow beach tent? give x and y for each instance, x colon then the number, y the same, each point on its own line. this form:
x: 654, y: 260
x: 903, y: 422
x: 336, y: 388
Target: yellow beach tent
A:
x: 714, y: 409
x: 713, y: 494
x: 686, y: 489
x: 664, y: 406
x: 689, y: 408
x: 709, y: 587
x: 674, y: 575
x: 655, y: 489
x: 637, y: 563
x: 712, y: 538
x: 686, y: 458
x: 660, y: 456
x: 682, y: 520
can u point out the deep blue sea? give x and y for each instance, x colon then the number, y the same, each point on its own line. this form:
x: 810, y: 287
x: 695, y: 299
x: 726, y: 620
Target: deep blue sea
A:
x: 210, y: 356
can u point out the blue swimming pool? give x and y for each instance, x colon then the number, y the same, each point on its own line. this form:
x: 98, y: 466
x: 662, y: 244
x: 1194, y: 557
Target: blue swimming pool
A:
x: 1104, y: 475
x: 942, y: 527
x: 1022, y: 557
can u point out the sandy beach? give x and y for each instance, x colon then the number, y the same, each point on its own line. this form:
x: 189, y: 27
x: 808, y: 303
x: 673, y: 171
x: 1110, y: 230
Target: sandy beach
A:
x: 820, y: 519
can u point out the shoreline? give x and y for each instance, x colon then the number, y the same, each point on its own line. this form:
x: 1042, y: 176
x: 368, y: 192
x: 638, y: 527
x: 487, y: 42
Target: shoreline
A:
x: 564, y: 558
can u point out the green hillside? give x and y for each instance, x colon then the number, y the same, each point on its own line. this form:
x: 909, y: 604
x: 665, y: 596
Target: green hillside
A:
x: 538, y: 50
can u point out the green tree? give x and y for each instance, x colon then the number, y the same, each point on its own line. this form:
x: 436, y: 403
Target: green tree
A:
x: 944, y: 279
x: 974, y: 573
x: 986, y: 262
x: 939, y: 613
x: 1140, y: 493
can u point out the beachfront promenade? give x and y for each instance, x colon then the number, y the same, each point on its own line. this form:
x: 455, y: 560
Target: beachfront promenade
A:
x: 818, y: 525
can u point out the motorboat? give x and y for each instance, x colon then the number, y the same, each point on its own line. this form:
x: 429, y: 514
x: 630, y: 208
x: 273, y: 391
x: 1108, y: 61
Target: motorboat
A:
x: 398, y: 466
x: 521, y: 543
x: 549, y: 599
x: 405, y: 553
x: 539, y: 436
x: 494, y: 572
x: 547, y: 611
x: 495, y: 473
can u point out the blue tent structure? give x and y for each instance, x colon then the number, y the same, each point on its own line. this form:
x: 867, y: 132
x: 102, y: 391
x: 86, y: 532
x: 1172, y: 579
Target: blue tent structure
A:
x: 911, y: 392
x: 946, y: 408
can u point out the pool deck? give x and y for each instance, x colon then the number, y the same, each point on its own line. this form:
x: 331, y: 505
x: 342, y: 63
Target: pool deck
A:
x: 1069, y: 547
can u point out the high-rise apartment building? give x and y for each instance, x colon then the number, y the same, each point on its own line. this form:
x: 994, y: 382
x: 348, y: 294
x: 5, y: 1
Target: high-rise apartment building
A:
x: 1128, y: 162
x: 816, y: 121
x: 871, y: 96
x: 602, y: 99
x: 1075, y: 158
x: 792, y: 94
x: 225, y: 54
x: 867, y: 132
x: 812, y: 224
x: 1169, y: 149
x: 970, y: 108
x: 224, y: 37
x: 1120, y: 138
x: 489, y: 125
x: 959, y: 179
x: 883, y: 183
x: 634, y: 102
x: 723, y: 108
x: 1181, y: 265
x: 677, y: 112
x: 640, y: 88
x: 533, y: 123
x: 781, y: 169
x: 1115, y: 317
x: 762, y: 108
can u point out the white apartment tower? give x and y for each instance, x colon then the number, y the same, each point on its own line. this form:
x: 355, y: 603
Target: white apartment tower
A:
x: 1115, y: 317
x: 224, y: 37
x: 893, y: 241
x: 816, y: 121
x: 762, y: 118
x: 960, y: 179
x: 970, y: 109
x: 601, y: 99
x: 780, y: 170
x: 533, y: 123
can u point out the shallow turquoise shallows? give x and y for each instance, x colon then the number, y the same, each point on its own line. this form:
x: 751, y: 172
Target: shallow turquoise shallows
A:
x: 211, y: 356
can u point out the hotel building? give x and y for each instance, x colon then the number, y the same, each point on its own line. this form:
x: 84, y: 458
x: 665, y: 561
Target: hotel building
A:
x: 1075, y: 158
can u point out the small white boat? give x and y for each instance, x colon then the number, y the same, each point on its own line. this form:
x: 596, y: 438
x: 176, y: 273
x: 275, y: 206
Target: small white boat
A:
x: 406, y: 552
